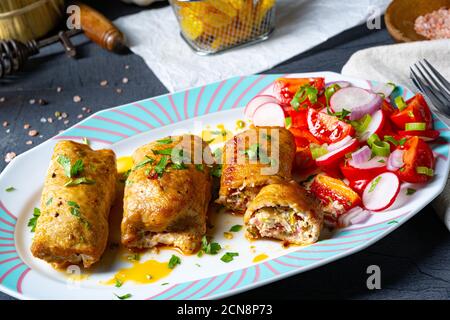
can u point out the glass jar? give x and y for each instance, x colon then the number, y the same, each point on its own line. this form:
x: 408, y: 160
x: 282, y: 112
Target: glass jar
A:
x: 211, y: 26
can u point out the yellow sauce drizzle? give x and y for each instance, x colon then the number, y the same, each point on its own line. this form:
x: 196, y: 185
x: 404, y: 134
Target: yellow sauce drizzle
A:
x: 260, y: 257
x: 142, y: 272
x: 124, y: 164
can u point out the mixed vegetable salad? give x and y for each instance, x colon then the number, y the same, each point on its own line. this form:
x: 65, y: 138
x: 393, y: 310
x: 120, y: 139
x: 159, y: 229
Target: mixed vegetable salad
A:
x: 356, y: 146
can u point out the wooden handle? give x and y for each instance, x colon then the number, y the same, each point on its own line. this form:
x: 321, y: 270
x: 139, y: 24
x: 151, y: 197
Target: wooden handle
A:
x: 100, y: 29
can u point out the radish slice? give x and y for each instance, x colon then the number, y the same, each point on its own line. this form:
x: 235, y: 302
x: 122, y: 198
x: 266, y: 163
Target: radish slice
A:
x: 356, y: 100
x: 256, y: 102
x: 375, y: 126
x: 339, y: 144
x: 375, y: 162
x: 270, y: 115
x: 385, y: 89
x: 381, y: 192
x: 336, y: 154
x: 341, y: 84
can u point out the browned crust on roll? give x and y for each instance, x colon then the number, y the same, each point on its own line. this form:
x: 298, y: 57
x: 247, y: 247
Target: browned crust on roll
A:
x: 284, y: 212
x: 170, y: 209
x: 243, y: 177
x: 62, y: 238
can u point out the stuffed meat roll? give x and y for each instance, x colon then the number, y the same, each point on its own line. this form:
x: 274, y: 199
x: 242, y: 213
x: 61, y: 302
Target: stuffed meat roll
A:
x: 167, y: 194
x: 251, y: 160
x: 78, y: 193
x: 283, y: 212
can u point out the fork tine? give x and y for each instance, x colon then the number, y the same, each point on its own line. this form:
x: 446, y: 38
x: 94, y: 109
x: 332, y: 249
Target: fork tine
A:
x: 431, y: 85
x: 435, y: 84
x: 438, y: 75
x: 422, y: 86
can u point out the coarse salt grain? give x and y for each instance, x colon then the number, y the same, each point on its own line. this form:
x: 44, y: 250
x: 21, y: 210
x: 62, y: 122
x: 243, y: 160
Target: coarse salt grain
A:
x: 9, y: 156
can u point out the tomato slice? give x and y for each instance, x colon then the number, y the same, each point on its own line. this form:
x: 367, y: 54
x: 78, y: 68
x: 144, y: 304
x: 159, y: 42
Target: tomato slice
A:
x: 303, y: 138
x: 417, y: 154
x: 286, y: 88
x: 427, y: 135
x: 417, y: 110
x: 354, y: 174
x: 327, y: 128
x: 329, y: 189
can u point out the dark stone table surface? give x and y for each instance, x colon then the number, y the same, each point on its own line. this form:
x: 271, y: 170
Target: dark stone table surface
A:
x: 414, y: 260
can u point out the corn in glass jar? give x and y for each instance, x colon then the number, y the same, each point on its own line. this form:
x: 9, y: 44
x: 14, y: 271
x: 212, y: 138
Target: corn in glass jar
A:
x: 211, y: 26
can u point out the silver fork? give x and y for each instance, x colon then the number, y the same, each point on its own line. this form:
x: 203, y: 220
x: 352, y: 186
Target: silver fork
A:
x: 435, y: 87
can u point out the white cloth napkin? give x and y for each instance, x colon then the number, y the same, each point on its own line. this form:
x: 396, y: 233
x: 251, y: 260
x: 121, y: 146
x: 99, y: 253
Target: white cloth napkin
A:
x: 391, y: 63
x: 301, y: 25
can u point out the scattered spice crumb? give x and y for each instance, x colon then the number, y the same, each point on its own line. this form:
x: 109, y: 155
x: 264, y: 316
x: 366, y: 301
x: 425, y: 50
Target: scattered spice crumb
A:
x: 76, y: 99
x: 8, y: 130
x: 5, y: 124
x: 119, y: 90
x: 2, y: 99
x: 50, y: 120
x: 43, y: 120
x: 59, y: 89
x: 104, y: 83
x: 32, y: 101
x: 42, y: 102
x: 33, y: 133
x: 125, y: 80
x: 66, y: 121
x: 64, y: 115
x: 127, y: 67
x: 57, y: 114
x: 80, y: 116
x: 26, y: 126
x: 9, y: 156
x: 88, y: 110
x: 29, y: 142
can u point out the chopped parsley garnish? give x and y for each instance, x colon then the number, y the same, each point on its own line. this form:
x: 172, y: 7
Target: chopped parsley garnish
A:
x: 330, y: 90
x: 255, y: 153
x: 161, y: 166
x: 381, y: 161
x: 209, y: 247
x: 75, y: 211
x: 33, y: 221
x: 165, y: 141
x: 10, y: 189
x: 341, y: 115
x: 119, y: 283
x: 179, y: 166
x: 144, y: 162
x: 164, y: 284
x: 78, y: 181
x: 199, y: 167
x: 410, y: 191
x: 124, y: 297
x: 134, y: 257
x: 69, y: 169
x: 174, y: 260
x: 229, y: 256
x: 374, y: 184
x: 236, y: 228
x: 49, y: 201
x: 392, y: 222
x: 216, y: 170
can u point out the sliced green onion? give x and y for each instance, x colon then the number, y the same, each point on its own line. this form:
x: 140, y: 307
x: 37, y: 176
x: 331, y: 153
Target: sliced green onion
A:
x: 317, y: 151
x: 391, y: 139
x: 288, y: 122
x: 330, y: 90
x: 400, y: 103
x: 363, y: 123
x: 416, y: 126
x: 372, y: 139
x: 425, y: 170
x: 381, y: 148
